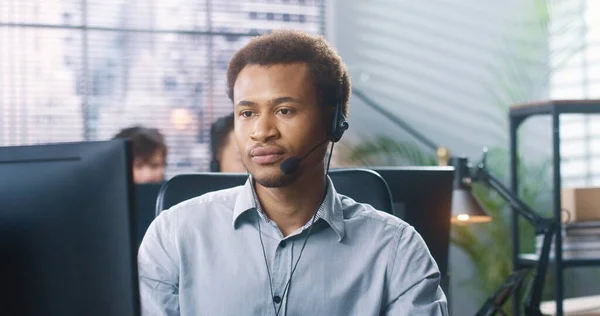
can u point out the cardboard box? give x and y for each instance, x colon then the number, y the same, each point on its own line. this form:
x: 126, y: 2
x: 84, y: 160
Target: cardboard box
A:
x: 580, y: 204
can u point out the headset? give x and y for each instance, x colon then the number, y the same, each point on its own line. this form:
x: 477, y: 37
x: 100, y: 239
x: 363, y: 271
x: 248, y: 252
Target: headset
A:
x: 339, y: 125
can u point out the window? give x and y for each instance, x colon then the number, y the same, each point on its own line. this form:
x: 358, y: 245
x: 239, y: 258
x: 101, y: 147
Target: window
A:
x: 575, y: 56
x: 160, y: 64
x: 169, y: 83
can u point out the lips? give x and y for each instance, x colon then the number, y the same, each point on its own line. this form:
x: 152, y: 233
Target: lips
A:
x: 266, y: 154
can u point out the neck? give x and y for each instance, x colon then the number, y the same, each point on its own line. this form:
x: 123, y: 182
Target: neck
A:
x: 292, y: 206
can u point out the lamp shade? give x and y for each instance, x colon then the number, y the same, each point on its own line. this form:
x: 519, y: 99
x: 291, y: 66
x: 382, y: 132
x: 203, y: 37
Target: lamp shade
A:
x: 466, y: 209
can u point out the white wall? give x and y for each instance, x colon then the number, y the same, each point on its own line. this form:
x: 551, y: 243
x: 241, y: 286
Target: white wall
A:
x: 437, y: 64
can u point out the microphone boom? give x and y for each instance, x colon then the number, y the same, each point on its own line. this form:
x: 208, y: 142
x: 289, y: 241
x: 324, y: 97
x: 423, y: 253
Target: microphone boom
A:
x: 291, y: 164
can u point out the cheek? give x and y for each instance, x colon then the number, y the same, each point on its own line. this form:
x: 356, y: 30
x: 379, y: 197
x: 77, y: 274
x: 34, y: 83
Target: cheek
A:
x: 307, y: 132
x: 239, y: 139
x: 140, y: 174
x: 230, y: 150
x: 141, y: 169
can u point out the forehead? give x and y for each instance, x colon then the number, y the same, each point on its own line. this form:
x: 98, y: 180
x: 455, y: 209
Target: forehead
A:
x: 158, y: 157
x: 256, y: 81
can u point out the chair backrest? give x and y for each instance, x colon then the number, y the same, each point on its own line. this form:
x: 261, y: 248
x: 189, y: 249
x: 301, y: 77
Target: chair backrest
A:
x: 362, y: 185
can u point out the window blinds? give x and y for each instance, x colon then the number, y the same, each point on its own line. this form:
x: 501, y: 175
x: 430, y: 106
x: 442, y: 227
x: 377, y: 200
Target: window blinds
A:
x: 575, y: 74
x: 73, y: 70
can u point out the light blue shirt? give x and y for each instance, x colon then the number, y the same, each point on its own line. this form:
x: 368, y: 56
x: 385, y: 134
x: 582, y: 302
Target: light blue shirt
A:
x: 204, y: 257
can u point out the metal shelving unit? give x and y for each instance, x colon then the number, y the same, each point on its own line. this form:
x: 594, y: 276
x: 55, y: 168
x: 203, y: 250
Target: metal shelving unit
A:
x: 517, y: 115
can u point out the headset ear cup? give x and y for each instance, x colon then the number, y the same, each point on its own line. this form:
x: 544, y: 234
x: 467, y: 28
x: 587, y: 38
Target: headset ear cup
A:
x: 342, y: 126
x: 339, y: 124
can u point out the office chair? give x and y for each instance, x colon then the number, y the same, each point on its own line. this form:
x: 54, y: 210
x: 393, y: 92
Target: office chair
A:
x: 362, y: 185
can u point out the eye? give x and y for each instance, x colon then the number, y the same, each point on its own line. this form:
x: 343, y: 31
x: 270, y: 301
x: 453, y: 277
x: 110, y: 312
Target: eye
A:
x: 245, y: 114
x: 284, y: 111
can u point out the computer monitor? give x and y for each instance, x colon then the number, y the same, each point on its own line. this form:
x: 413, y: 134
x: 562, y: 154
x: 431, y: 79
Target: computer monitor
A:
x: 66, y: 230
x: 422, y: 197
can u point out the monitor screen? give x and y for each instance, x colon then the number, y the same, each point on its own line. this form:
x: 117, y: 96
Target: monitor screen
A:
x: 422, y: 197
x: 66, y: 230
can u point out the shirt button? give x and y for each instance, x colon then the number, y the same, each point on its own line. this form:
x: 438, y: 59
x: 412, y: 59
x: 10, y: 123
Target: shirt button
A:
x: 276, y: 299
x: 282, y: 244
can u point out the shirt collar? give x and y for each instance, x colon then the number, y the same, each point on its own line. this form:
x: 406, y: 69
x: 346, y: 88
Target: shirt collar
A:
x: 331, y: 210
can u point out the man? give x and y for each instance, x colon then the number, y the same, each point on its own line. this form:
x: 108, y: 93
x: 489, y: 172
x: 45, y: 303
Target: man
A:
x: 225, y: 155
x: 149, y: 152
x: 285, y: 243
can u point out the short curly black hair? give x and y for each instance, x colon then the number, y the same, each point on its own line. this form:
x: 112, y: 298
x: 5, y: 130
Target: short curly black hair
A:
x: 327, y: 69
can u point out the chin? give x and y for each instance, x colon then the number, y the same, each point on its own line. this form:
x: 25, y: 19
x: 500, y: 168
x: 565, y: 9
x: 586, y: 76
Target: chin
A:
x: 272, y: 178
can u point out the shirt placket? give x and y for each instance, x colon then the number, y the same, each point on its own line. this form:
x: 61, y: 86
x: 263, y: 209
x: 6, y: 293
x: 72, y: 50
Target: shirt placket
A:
x: 281, y: 269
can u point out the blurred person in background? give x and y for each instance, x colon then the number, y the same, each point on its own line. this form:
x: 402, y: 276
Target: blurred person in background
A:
x: 225, y: 154
x: 149, y: 153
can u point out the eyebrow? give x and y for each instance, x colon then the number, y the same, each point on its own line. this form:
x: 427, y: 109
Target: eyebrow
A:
x: 245, y: 103
x: 273, y: 102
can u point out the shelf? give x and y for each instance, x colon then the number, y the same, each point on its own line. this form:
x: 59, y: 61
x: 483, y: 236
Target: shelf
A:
x: 522, y: 111
x: 585, y: 305
x: 517, y: 115
x: 530, y: 260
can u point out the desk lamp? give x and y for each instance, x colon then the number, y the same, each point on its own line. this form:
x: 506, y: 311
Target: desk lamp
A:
x: 466, y: 208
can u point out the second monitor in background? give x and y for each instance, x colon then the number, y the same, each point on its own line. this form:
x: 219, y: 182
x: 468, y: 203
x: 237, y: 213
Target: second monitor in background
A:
x: 422, y: 197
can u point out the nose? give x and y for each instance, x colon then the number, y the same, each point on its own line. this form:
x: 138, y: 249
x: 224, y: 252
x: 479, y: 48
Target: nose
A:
x: 264, y: 129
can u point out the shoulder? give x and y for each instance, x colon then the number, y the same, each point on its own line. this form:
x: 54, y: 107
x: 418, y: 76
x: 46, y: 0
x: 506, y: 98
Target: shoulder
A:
x: 395, y: 233
x: 199, y: 209
x: 365, y: 214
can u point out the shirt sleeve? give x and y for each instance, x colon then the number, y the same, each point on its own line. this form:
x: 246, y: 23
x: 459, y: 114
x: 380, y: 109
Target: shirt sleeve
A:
x: 158, y: 269
x: 414, y: 287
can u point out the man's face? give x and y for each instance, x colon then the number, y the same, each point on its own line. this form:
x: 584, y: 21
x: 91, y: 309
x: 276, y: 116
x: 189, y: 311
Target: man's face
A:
x: 151, y: 171
x: 277, y: 117
x: 230, y: 159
